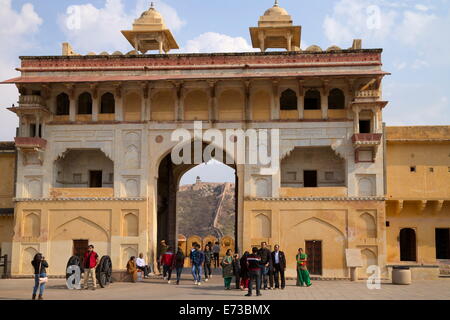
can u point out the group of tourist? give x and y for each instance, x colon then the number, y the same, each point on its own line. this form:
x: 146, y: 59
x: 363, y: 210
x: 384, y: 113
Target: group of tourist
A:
x: 40, y: 265
x: 262, y: 267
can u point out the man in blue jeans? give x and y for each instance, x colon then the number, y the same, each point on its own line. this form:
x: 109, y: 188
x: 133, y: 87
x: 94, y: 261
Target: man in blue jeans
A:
x: 197, y: 258
x: 266, y: 266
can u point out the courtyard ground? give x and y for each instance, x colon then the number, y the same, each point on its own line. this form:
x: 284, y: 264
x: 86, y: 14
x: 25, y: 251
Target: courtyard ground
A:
x: 157, y: 289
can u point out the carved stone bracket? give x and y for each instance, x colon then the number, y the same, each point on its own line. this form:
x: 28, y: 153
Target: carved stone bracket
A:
x: 422, y: 205
x: 439, y: 205
x: 399, y: 207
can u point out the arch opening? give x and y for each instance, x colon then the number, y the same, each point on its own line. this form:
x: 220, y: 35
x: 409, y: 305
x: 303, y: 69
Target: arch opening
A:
x: 190, y: 207
x: 85, y: 103
x: 62, y: 105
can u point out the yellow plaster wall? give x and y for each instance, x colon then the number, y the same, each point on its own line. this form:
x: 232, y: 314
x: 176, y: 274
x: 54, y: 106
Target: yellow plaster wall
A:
x: 231, y: 106
x: 289, y: 114
x: 61, y: 118
x: 312, y: 114
x: 261, y: 106
x: 61, y: 222
x: 423, y: 222
x: 339, y: 225
x: 421, y: 184
x: 196, y: 106
x: 314, y: 192
x: 163, y: 106
x: 83, y: 117
x: 337, y: 114
x: 7, y: 169
x: 81, y: 192
x: 132, y: 107
x: 106, y: 117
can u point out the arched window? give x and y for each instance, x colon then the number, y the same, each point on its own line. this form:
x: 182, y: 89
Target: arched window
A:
x: 108, y: 103
x: 288, y: 100
x: 312, y: 100
x: 336, y: 99
x: 85, y: 103
x: 62, y: 105
x: 408, y: 245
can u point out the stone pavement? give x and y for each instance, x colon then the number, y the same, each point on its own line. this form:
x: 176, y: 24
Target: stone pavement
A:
x: 157, y: 289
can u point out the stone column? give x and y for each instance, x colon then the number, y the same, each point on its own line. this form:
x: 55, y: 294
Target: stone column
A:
x: 356, y: 120
x: 179, y: 105
x: 148, y: 116
x: 262, y: 43
x: 212, y: 101
x: 95, y: 107
x: 324, y: 100
x: 247, y: 111
x: 72, y: 109
x: 289, y: 42
x: 276, y: 101
x: 119, y: 104
x: 301, y: 100
x: 38, y: 124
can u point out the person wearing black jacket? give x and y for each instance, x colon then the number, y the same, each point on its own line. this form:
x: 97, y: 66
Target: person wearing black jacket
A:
x: 266, y: 265
x: 279, y: 266
x: 244, y: 271
x: 237, y: 270
x: 179, y: 263
x: 40, y: 273
x: 254, y: 271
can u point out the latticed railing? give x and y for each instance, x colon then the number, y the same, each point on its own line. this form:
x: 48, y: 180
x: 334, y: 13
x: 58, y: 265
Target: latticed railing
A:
x: 31, y: 101
x: 368, y: 94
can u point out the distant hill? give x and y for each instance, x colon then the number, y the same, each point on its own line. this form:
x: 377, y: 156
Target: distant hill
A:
x: 205, y: 209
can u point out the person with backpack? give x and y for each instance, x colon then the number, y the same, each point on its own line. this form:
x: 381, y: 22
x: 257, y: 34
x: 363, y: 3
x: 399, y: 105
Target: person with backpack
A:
x: 179, y: 263
x: 254, y: 270
x: 40, y: 275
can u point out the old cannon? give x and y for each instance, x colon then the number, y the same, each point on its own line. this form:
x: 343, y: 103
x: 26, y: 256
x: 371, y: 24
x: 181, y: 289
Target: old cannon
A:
x: 103, y: 272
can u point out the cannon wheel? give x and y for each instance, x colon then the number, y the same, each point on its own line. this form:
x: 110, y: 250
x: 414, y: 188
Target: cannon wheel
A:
x: 104, y: 271
x: 74, y: 261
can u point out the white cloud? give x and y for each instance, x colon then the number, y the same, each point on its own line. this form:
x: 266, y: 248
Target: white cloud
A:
x: 16, y: 32
x: 358, y: 19
x: 379, y: 21
x: 216, y: 42
x: 89, y: 28
x: 415, y: 26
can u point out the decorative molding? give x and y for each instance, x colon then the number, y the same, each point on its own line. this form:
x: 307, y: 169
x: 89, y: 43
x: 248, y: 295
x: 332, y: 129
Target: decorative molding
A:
x: 76, y: 199
x: 318, y: 199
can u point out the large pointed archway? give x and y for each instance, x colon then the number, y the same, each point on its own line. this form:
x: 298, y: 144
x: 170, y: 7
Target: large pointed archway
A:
x: 169, y: 176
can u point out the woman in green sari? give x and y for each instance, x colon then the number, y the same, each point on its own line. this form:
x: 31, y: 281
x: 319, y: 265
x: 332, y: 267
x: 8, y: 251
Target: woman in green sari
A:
x: 227, y: 269
x: 302, y: 270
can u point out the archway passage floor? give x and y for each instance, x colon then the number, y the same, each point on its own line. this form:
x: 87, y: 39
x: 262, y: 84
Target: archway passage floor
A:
x: 157, y: 289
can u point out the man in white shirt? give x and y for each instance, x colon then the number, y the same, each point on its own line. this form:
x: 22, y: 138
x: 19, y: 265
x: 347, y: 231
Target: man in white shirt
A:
x: 142, y: 265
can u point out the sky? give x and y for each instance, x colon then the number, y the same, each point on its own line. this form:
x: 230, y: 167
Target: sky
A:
x: 413, y: 34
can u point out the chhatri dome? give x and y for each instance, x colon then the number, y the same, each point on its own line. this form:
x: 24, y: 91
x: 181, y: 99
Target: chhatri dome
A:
x: 150, y: 33
x: 276, y: 10
x: 276, y: 31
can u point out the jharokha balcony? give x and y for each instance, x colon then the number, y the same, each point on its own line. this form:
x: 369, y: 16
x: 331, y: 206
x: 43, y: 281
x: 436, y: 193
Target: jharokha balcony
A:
x: 367, y: 139
x: 27, y: 143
